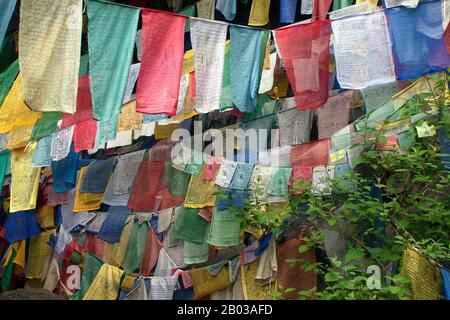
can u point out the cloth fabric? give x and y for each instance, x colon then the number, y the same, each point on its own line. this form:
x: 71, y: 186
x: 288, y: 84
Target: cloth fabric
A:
x: 279, y: 181
x: 8, y: 76
x: 113, y: 225
x: 70, y: 219
x: 38, y: 252
x: 334, y: 115
x: 123, y: 243
x: 259, y: 13
x: 151, y: 253
x: 195, y: 253
x: 45, y: 125
x: 445, y: 274
x: 42, y: 153
x: 251, y: 289
x: 226, y: 173
x: 135, y: 247
x: 85, y: 201
x: 200, y: 193
x: 84, y: 104
x: 267, y: 75
x: 227, y: 8
x: 212, y: 166
x: 129, y: 119
x: 14, y: 113
x: 204, y: 283
x: 208, y: 41
x: 49, y: 53
x: 340, y: 4
x: 375, y: 96
x: 97, y: 175
x: 106, y: 284
x: 288, y: 277
x: 288, y: 10
x: 241, y: 177
x: 111, y: 28
x: 160, y: 69
x: 425, y: 284
x: 177, y: 181
x: 304, y: 50
x: 205, y: 9
x: 62, y: 140
x: 7, y: 9
x: 418, y: 40
x: 362, y: 49
x: 311, y: 154
x: 65, y: 172
x: 295, y: 126
x: 165, y: 265
x: 245, y: 67
x: 189, y: 225
x: 225, y: 229
x: 21, y: 225
x: 226, y: 102
x: 84, y: 135
x: 25, y: 180
x: 91, y: 268
x: 189, y: 11
x: 4, y: 163
x: 162, y: 288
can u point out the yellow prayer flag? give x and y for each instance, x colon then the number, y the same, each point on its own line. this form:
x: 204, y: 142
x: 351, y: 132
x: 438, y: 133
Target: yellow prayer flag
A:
x: 106, y: 284
x: 25, y: 180
x: 425, y: 130
x: 259, y: 13
x: 129, y: 119
x: 86, y: 201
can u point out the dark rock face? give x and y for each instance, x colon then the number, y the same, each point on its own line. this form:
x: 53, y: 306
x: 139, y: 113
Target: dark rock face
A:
x: 29, y: 294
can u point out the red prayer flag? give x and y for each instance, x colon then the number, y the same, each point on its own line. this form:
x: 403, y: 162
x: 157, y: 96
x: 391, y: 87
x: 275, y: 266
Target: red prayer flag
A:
x: 84, y: 135
x: 304, y: 49
x: 311, y: 154
x: 84, y: 104
x: 162, y: 60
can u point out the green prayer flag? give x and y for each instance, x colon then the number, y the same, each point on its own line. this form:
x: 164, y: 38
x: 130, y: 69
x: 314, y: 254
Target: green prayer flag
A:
x: 7, y: 79
x: 225, y: 229
x: 8, y: 273
x: 190, y: 11
x: 111, y: 37
x: 225, y: 97
x: 340, y: 4
x: 45, y: 125
x: 177, y: 181
x: 189, y: 225
x: 91, y: 267
x: 135, y: 247
x: 4, y: 164
x: 84, y: 65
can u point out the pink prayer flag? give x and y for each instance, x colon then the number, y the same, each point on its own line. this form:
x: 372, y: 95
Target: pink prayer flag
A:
x: 84, y: 134
x: 162, y: 60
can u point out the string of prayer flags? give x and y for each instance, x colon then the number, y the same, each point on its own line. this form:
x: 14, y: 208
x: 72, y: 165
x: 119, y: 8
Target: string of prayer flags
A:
x: 304, y: 50
x: 259, y: 13
x: 208, y: 41
x: 49, y: 53
x: 287, y: 10
x: 418, y: 40
x: 227, y: 8
x: 245, y: 68
x: 362, y: 50
x: 159, y: 76
x: 111, y: 36
x: 25, y: 180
